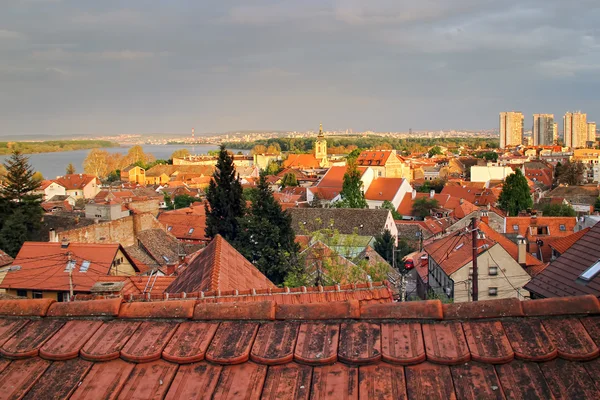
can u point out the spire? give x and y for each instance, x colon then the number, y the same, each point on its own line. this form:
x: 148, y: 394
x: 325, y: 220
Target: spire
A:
x: 320, y: 130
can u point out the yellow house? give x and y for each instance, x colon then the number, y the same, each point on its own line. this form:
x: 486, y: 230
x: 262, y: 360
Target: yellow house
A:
x: 55, y: 270
x: 385, y: 163
x: 134, y: 174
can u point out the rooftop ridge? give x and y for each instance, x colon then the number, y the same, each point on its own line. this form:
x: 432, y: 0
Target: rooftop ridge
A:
x: 351, y: 309
x: 215, y: 273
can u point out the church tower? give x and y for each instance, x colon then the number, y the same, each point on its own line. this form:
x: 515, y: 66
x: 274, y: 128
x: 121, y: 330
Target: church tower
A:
x: 321, y: 145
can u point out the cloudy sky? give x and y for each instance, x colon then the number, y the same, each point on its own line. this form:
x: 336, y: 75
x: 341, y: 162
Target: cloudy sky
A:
x: 142, y: 66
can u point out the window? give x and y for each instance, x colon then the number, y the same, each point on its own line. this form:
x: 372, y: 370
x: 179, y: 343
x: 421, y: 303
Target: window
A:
x: 85, y: 265
x: 169, y: 228
x: 191, y: 231
x: 37, y: 295
x: 493, y: 291
x: 22, y: 293
x: 591, y: 272
x: 562, y: 227
x: 69, y: 267
x: 493, y: 271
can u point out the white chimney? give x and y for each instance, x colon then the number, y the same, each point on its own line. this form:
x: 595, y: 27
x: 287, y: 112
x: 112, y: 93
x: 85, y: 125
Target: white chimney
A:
x: 522, y: 250
x: 414, y: 194
x: 52, y: 236
x: 431, y: 194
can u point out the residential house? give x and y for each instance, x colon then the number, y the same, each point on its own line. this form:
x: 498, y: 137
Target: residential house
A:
x: 490, y: 172
x: 385, y: 163
x: 581, y: 197
x: 307, y: 162
x: 57, y: 206
x: 134, y: 174
x: 450, y: 269
x: 537, y: 231
x: 539, y: 172
x: 186, y: 224
x: 387, y: 189
x: 346, y: 221
x: 219, y: 267
x: 62, y: 198
x: 328, y: 189
x: 80, y: 186
x: 49, y: 189
x: 5, y: 259
x: 49, y: 270
x: 405, y: 208
x: 106, y: 211
x: 289, y: 343
x: 576, y: 272
x: 474, y: 193
x: 590, y: 159
x: 560, y: 245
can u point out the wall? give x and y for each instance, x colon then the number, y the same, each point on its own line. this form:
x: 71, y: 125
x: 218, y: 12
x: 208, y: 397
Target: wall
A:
x: 91, y: 189
x: 145, y: 206
x: 54, y: 189
x: 495, y: 222
x: 121, y: 231
x: 495, y: 256
x: 485, y: 173
x: 121, y: 266
x: 106, y: 212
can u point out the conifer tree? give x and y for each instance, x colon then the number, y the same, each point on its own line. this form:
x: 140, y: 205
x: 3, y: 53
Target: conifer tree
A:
x: 352, y: 193
x: 225, y: 199
x: 266, y: 237
x: 515, y: 195
x: 70, y: 169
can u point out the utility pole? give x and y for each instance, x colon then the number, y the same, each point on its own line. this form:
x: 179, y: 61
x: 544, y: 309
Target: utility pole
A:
x: 70, y: 276
x: 474, y: 238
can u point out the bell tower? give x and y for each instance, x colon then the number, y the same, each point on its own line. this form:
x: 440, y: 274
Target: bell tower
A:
x: 321, y: 145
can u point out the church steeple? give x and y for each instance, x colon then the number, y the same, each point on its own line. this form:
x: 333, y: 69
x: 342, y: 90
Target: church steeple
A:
x: 321, y: 131
x: 321, y: 145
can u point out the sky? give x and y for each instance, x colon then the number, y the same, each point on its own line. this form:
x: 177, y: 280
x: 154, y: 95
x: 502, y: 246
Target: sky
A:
x: 90, y: 67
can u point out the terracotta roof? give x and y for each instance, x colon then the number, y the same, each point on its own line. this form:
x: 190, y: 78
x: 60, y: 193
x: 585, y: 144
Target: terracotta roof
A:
x: 308, y: 161
x: 510, y: 246
x: 562, y: 276
x: 44, y: 184
x: 185, y: 225
x: 76, y: 181
x: 136, y: 285
x: 384, y: 189
x: 374, y: 158
x: 453, y: 252
x: 49, y: 206
x: 43, y: 266
x: 528, y: 227
x: 182, y: 349
x: 219, y: 267
x: 405, y: 207
x: 563, y: 244
x: 5, y: 259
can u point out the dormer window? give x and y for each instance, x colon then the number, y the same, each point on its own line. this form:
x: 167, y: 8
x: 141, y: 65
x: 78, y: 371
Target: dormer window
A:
x: 562, y: 227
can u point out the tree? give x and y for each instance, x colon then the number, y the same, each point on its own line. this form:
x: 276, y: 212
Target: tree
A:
x: 352, y: 193
x: 168, y: 201
x: 422, y: 207
x: 258, y: 149
x: 183, y: 201
x: 274, y: 148
x: 289, y: 179
x: 70, y: 169
x: 558, y: 210
x: 385, y: 245
x: 436, y: 185
x: 597, y: 204
x: 2, y: 172
x: 353, y: 155
x: 136, y: 155
x: 225, y: 200
x: 388, y: 205
x: 13, y: 234
x: 515, y: 195
x: 273, y: 168
x: 266, y: 237
x: 435, y: 151
x: 570, y: 173
x: 19, y: 179
x: 181, y: 153
x: 490, y: 156
x: 38, y: 176
x: 97, y: 163
x: 114, y: 176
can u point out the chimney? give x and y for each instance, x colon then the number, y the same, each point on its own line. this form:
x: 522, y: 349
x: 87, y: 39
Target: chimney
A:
x: 461, y: 201
x: 522, y: 252
x: 52, y: 236
x: 64, y: 243
x: 414, y: 194
x: 431, y: 194
x: 484, y: 217
x: 171, y: 268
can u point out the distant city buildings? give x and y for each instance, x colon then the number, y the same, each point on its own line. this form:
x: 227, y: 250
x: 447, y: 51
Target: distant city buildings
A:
x: 575, y: 129
x: 511, y: 128
x: 555, y: 133
x: 543, y: 129
x: 591, y: 131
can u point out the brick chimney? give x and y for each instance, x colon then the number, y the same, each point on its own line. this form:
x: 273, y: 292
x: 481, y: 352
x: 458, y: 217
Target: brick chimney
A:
x: 171, y: 268
x: 522, y: 250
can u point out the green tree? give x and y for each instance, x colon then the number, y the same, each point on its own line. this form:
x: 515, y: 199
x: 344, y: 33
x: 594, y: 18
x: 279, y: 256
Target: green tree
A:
x: 558, y: 210
x: 436, y: 185
x: 181, y: 153
x: 388, y: 205
x: 352, y: 193
x: 183, y: 201
x: 19, y: 180
x: 597, y: 204
x: 353, y: 155
x: 385, y: 245
x: 266, y: 237
x: 422, y: 207
x: 168, y: 201
x: 490, y: 156
x: 14, y: 233
x: 435, y: 151
x: 70, y: 169
x: 570, y: 173
x: 273, y: 168
x: 225, y: 199
x: 114, y: 176
x: 289, y: 179
x: 515, y: 195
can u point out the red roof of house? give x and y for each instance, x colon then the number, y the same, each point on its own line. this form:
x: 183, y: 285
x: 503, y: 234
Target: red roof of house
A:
x: 76, y: 181
x: 454, y: 251
x: 44, y: 184
x: 308, y: 161
x: 219, y: 267
x: 511, y: 247
x: 137, y: 285
x: 374, y: 158
x: 180, y: 349
x: 383, y: 189
x: 405, y: 207
x: 529, y: 226
x: 44, y: 266
x: 5, y: 259
x: 186, y: 225
x: 563, y: 244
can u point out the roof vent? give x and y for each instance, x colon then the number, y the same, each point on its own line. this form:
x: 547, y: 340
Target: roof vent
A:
x: 64, y: 243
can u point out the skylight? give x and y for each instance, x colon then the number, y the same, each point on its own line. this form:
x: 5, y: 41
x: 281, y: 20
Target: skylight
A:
x: 70, y: 265
x: 85, y: 265
x: 591, y: 272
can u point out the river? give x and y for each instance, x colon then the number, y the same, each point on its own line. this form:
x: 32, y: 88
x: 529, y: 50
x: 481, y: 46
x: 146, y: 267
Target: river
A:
x: 52, y: 165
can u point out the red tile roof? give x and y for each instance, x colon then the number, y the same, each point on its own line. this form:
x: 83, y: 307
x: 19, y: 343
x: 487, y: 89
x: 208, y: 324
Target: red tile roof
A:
x: 308, y: 161
x: 510, y: 246
x: 5, y: 259
x: 405, y: 207
x: 455, y: 251
x: 563, y: 244
x: 182, y: 349
x: 185, y: 225
x: 219, y: 267
x: 528, y: 228
x: 138, y: 285
x: 383, y: 189
x: 374, y: 158
x: 43, y: 266
x: 76, y: 181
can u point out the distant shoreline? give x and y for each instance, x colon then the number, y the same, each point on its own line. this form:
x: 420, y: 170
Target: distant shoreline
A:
x: 54, y: 146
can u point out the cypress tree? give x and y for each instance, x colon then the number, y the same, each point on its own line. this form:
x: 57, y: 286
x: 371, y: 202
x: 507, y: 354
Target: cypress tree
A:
x: 352, y: 193
x: 266, y: 237
x: 515, y: 195
x: 225, y: 199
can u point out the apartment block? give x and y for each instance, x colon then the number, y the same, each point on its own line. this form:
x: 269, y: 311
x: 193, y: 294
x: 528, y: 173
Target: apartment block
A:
x: 511, y: 128
x: 575, y: 129
x: 543, y: 129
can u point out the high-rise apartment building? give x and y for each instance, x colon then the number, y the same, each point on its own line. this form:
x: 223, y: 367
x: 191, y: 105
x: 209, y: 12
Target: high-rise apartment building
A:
x: 575, y: 129
x: 555, y: 133
x: 511, y: 128
x: 543, y: 129
x: 591, y: 136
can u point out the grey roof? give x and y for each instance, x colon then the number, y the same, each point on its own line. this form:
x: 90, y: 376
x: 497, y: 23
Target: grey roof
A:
x: 366, y: 222
x: 561, y: 277
x: 409, y: 231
